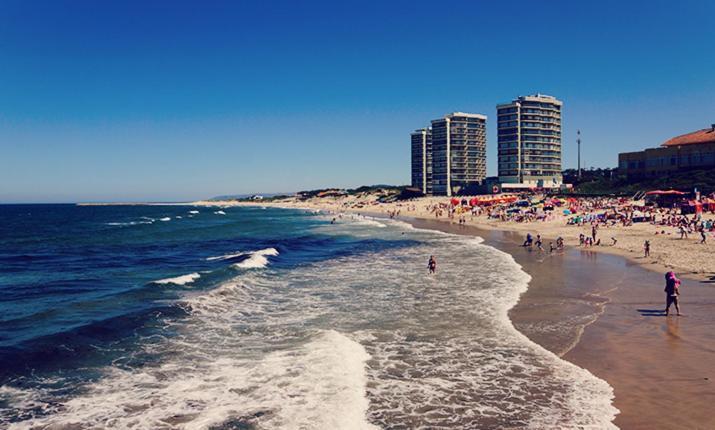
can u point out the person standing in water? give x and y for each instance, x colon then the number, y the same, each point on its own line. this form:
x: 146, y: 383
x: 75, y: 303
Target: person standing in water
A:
x: 432, y: 264
x: 672, y: 291
x: 529, y: 240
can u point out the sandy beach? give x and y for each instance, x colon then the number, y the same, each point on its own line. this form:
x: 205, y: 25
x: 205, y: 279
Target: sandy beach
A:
x: 600, y: 307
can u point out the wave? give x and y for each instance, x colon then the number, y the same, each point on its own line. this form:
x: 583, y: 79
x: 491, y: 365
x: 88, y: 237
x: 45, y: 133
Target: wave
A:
x: 129, y: 223
x: 179, y: 280
x: 405, y: 350
x: 257, y: 259
x: 165, y: 219
x: 370, y: 222
x: 328, y: 372
x: 220, y: 213
x: 193, y: 212
x: 319, y: 385
x: 227, y: 256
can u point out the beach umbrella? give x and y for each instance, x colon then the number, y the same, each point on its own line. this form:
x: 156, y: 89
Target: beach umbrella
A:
x: 665, y: 193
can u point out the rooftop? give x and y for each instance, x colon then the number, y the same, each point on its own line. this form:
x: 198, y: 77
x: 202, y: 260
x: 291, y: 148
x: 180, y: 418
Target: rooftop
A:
x: 532, y: 98
x: 706, y: 135
x: 465, y: 115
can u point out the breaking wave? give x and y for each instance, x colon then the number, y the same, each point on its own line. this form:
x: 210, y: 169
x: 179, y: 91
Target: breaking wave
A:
x: 257, y: 259
x: 179, y: 280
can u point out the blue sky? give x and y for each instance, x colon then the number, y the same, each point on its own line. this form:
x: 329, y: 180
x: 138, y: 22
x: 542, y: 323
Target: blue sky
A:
x: 174, y: 100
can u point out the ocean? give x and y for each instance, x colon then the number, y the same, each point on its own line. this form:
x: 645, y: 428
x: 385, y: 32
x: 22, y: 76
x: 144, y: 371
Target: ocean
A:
x: 182, y: 317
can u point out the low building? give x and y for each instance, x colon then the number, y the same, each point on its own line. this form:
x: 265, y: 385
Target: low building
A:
x: 694, y: 150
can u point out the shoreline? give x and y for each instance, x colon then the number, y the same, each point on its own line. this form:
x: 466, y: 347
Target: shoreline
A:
x: 598, y: 310
x: 661, y: 260
x: 654, y: 363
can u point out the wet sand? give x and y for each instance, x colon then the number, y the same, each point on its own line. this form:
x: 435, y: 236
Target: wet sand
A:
x: 604, y: 312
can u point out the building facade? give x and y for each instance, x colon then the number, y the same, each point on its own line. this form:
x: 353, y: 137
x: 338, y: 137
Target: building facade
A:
x: 694, y: 150
x: 422, y: 160
x: 459, y: 152
x: 529, y: 142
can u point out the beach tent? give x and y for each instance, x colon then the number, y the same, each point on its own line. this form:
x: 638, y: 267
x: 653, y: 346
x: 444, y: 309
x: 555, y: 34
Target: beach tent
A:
x: 708, y: 204
x: 691, y: 207
x: 669, y: 198
x: 665, y: 193
x: 455, y: 202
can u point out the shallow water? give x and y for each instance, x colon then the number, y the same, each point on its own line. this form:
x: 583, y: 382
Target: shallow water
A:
x: 249, y: 318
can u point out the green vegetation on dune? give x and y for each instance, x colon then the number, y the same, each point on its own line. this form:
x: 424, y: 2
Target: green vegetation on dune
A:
x: 609, y: 181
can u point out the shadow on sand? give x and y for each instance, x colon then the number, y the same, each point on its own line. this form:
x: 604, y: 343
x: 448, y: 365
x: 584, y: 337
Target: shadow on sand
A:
x: 651, y: 312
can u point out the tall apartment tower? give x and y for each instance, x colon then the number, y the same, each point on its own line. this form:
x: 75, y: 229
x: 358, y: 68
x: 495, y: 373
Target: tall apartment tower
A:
x: 529, y: 139
x: 459, y: 152
x: 422, y: 160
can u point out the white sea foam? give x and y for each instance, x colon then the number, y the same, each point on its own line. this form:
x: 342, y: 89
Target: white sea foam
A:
x: 370, y: 222
x: 178, y: 217
x: 179, y: 280
x: 227, y: 256
x: 129, y: 223
x: 220, y: 213
x: 356, y: 342
x: 193, y: 212
x: 257, y: 260
x: 165, y: 219
x: 320, y: 385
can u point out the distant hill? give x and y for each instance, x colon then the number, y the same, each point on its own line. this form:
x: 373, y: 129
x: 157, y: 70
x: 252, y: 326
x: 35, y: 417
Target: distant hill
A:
x: 245, y: 196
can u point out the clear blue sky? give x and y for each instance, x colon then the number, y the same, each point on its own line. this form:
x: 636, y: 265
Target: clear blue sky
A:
x: 171, y: 100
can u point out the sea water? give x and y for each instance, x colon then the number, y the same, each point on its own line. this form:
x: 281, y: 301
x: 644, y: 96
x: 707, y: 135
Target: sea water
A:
x: 163, y: 317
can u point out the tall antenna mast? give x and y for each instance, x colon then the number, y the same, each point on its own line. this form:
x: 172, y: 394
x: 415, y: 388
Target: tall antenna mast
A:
x: 579, y: 154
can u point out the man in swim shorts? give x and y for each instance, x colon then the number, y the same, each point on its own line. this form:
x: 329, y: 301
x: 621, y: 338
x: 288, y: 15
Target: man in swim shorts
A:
x: 432, y: 264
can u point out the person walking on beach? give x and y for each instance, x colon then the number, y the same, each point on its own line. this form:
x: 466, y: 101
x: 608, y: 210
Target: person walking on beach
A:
x: 672, y: 291
x: 646, y: 249
x: 432, y: 264
x: 539, y: 243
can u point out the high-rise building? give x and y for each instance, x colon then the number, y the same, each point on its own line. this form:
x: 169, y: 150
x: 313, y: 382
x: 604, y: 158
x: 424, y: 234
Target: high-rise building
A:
x: 459, y: 152
x: 422, y: 160
x: 529, y: 140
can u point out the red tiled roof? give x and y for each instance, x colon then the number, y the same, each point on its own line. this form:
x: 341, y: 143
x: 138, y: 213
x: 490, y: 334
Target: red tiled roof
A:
x: 706, y: 135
